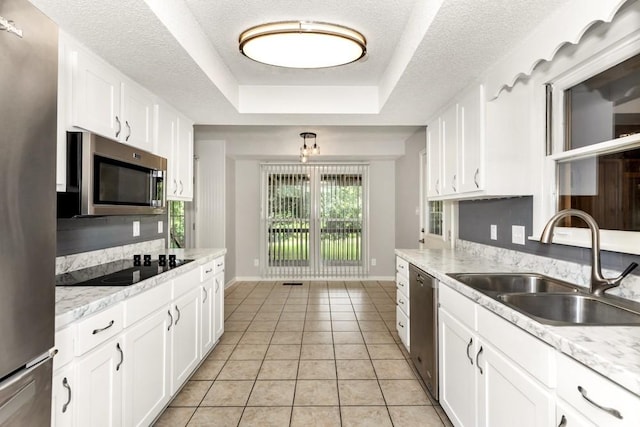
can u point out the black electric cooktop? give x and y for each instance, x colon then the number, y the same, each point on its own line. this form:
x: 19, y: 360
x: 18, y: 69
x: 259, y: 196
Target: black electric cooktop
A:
x: 117, y: 273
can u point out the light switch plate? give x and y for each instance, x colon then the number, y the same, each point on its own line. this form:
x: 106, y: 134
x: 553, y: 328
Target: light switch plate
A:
x: 136, y: 228
x: 494, y: 232
x: 256, y: 262
x: 517, y: 234
x: 374, y: 262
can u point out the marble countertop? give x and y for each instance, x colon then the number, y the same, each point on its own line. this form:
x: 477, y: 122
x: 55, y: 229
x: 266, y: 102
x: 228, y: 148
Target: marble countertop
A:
x: 75, y: 302
x: 613, y: 351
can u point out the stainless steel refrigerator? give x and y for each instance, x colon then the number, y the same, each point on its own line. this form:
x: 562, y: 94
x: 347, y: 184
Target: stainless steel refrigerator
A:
x: 28, y: 92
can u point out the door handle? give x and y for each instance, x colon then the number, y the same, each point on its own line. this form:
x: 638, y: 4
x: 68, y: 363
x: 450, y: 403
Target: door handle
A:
x: 469, y: 347
x: 477, y: 357
x: 177, y: 311
x: 65, y: 384
x: 119, y: 127
x: 170, y: 320
x: 121, y: 356
x: 129, y: 128
x: 206, y: 294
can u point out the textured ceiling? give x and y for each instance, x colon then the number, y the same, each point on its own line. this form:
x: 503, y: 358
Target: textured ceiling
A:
x: 421, y: 53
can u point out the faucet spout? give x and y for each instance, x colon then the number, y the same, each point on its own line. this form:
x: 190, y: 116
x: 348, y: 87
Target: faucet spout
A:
x: 599, y: 284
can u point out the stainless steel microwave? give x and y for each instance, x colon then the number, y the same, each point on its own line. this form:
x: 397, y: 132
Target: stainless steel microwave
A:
x: 106, y: 177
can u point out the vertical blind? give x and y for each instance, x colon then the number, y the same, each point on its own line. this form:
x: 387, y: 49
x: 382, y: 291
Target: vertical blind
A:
x: 314, y: 220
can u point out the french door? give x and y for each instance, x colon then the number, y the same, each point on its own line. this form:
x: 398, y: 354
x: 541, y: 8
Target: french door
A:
x: 314, y: 220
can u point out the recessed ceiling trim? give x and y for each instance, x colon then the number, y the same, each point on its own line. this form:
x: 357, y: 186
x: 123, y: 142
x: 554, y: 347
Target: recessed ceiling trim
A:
x: 302, y: 44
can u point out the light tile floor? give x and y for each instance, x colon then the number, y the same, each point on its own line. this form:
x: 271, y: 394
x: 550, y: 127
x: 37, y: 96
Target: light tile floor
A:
x: 320, y: 354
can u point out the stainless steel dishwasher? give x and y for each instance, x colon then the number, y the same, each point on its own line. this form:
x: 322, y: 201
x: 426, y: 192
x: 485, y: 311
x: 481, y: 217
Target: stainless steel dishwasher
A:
x: 423, y: 304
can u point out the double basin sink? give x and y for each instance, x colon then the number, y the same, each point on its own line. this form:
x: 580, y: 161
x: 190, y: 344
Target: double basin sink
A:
x: 551, y: 301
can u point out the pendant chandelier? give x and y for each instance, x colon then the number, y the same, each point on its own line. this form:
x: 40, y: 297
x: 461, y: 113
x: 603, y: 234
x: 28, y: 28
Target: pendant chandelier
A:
x: 308, y: 149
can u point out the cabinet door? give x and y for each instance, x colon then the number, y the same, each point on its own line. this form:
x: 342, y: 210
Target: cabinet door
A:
x: 434, y: 159
x: 402, y: 326
x: 63, y: 397
x: 218, y: 310
x: 183, y: 154
x: 471, y: 140
x: 457, y: 370
x: 146, y: 369
x: 99, y: 390
x: 207, y: 324
x: 185, y: 351
x: 137, y: 113
x: 96, y: 96
x: 508, y: 396
x: 449, y: 137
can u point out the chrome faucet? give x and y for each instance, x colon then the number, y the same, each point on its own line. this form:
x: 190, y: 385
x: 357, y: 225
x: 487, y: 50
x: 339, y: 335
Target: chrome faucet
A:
x: 599, y: 284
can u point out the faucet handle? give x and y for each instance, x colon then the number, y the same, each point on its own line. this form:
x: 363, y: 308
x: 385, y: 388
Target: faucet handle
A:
x: 628, y: 270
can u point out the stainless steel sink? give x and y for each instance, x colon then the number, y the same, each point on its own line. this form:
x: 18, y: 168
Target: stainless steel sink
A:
x: 499, y: 283
x: 570, y: 309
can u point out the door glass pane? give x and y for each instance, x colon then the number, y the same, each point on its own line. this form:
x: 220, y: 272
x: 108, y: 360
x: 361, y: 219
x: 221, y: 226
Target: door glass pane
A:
x: 341, y: 199
x: 435, y: 217
x: 288, y: 213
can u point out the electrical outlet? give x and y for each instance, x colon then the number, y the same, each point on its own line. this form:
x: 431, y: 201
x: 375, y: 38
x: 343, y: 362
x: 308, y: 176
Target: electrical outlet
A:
x: 160, y: 227
x: 494, y: 232
x: 517, y: 234
x: 136, y: 228
x: 374, y: 262
x: 256, y: 262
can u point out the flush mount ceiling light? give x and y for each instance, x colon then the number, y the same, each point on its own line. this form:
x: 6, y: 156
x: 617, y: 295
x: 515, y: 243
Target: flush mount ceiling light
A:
x: 302, y: 44
x: 308, y: 149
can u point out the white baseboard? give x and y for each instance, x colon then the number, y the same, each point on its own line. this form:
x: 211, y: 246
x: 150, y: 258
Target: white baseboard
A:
x: 309, y: 279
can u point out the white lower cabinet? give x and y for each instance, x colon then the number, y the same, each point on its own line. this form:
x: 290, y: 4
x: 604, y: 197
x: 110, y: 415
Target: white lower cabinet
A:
x: 402, y: 302
x: 63, y: 397
x: 479, y: 384
x: 99, y: 378
x: 185, y: 343
x: 218, y: 314
x: 146, y: 347
x: 122, y: 365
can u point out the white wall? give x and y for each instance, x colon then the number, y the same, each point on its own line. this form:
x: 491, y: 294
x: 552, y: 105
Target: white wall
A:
x: 230, y: 216
x: 210, y: 194
x: 381, y: 217
x: 408, y: 192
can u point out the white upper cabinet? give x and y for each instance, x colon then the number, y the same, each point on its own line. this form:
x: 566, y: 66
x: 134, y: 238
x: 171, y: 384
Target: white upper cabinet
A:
x: 463, y: 162
x: 137, y: 117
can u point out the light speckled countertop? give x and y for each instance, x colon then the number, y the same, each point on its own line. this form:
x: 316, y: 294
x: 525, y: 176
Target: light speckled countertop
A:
x: 75, y: 302
x: 613, y: 351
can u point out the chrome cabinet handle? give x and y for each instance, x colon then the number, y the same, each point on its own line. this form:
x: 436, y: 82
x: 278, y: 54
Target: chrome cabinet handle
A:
x: 401, y: 302
x: 219, y: 265
x: 170, y: 320
x: 208, y: 271
x: 609, y: 411
x: 119, y: 127
x: 469, y: 347
x: 175, y: 186
x: 126, y: 122
x: 475, y: 177
x: 477, y: 357
x: 400, y: 324
x: 121, y: 356
x: 181, y: 187
x: 453, y: 183
x: 177, y: 311
x: 206, y: 294
x: 65, y: 384
x: 97, y: 331
x: 217, y: 285
x: 438, y: 186
x: 563, y: 421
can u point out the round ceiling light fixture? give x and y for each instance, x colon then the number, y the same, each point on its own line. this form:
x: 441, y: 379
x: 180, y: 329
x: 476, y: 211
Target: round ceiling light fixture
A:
x: 302, y: 44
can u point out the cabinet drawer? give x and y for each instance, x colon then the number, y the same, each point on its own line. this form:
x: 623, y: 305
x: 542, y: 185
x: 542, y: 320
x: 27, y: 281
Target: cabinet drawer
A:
x: 402, y: 325
x: 186, y: 282
x: 99, y: 328
x: 574, y: 376
x: 219, y: 265
x: 207, y: 271
x: 64, y: 344
x: 142, y: 305
x: 402, y: 267
x: 402, y: 285
x: 459, y: 306
x: 530, y: 353
x: 403, y: 303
